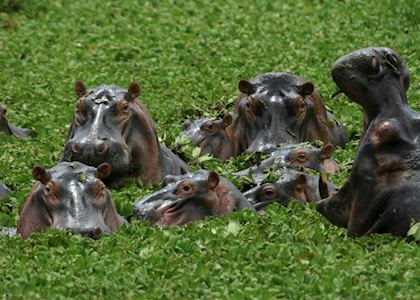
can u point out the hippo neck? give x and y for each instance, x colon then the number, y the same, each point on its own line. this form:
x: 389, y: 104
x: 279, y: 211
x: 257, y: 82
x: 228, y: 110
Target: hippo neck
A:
x: 388, y: 100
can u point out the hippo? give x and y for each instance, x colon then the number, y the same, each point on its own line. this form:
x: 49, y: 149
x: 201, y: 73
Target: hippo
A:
x: 111, y: 126
x: 290, y: 185
x: 4, y: 190
x: 296, y: 156
x: 382, y: 192
x: 281, y: 108
x: 70, y: 196
x: 10, y: 129
x: 190, y: 197
x: 213, y: 136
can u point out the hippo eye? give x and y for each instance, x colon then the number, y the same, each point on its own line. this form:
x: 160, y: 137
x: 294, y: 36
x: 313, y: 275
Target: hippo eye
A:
x: 301, y: 156
x: 48, y: 189
x: 125, y: 107
x: 208, y: 126
x: 269, y: 192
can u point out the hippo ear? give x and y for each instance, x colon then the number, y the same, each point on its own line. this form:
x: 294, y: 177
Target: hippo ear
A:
x: 246, y: 87
x: 212, y: 180
x: 299, y: 186
x: 34, y: 215
x: 111, y: 218
x: 103, y: 170
x: 134, y: 90
x: 40, y: 174
x: 306, y: 88
x: 187, y: 124
x: 227, y: 120
x: 80, y: 88
x: 327, y: 151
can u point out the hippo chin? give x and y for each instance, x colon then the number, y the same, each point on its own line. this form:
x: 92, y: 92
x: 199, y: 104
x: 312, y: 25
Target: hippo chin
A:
x: 70, y: 196
x: 381, y: 195
x: 10, y: 129
x: 111, y: 126
x: 280, y: 108
x: 190, y: 197
x: 291, y: 184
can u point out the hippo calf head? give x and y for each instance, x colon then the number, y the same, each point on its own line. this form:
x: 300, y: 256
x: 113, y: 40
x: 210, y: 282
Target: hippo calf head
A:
x: 212, y: 136
x: 70, y: 196
x: 278, y: 108
x: 187, y: 198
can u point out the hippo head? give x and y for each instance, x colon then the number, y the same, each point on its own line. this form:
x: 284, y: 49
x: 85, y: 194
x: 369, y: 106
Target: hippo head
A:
x: 366, y: 75
x: 188, y: 198
x: 290, y: 185
x: 211, y: 136
x: 277, y: 108
x: 70, y: 196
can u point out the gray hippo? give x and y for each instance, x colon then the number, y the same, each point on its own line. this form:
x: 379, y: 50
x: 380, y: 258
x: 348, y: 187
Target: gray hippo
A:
x: 111, y: 125
x: 382, y: 192
x: 280, y: 108
x: 190, y: 197
x: 70, y: 196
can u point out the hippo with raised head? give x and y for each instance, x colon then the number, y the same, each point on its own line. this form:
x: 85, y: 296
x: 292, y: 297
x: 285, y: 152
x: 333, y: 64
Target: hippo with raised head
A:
x: 4, y: 190
x: 111, y: 125
x: 296, y: 156
x: 382, y: 193
x: 190, y: 197
x: 280, y: 108
x: 70, y: 196
x: 10, y: 129
x: 290, y: 185
x: 212, y: 136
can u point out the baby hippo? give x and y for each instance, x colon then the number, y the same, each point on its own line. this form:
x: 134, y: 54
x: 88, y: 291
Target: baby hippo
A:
x: 212, y: 136
x: 302, y: 187
x: 10, y: 129
x: 190, y: 197
x: 70, y: 196
x: 296, y: 156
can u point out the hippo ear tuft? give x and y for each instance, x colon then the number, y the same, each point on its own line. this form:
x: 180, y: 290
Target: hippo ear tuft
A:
x: 246, y: 87
x: 134, y: 90
x: 80, y: 88
x: 39, y: 173
x: 213, y: 180
x: 103, y: 170
x: 306, y: 88
x: 227, y: 120
x: 187, y: 124
x: 327, y: 151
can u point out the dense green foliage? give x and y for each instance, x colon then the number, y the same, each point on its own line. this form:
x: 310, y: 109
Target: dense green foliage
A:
x: 188, y: 57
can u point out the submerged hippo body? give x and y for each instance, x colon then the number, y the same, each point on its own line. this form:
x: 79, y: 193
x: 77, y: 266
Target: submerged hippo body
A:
x: 382, y: 193
x: 70, y: 196
x: 111, y: 126
x: 213, y: 136
x: 296, y: 156
x: 10, y: 129
x: 291, y: 184
x: 279, y: 108
x: 190, y: 197
x: 4, y: 190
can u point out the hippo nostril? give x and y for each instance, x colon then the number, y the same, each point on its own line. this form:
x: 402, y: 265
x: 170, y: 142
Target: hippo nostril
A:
x: 102, y: 148
x: 75, y: 148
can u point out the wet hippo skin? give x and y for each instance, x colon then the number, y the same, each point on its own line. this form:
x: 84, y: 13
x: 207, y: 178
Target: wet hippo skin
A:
x: 111, y: 125
x: 70, y: 196
x: 382, y: 193
x: 190, y: 197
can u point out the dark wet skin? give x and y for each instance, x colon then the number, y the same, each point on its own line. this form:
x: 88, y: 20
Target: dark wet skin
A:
x: 190, y: 197
x: 213, y: 136
x: 280, y: 108
x: 382, y: 193
x: 111, y: 125
x: 10, y: 129
x: 296, y: 156
x: 70, y: 196
x: 291, y: 185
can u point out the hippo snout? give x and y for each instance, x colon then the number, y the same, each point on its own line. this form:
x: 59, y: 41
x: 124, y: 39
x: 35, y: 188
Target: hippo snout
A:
x: 92, y: 232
